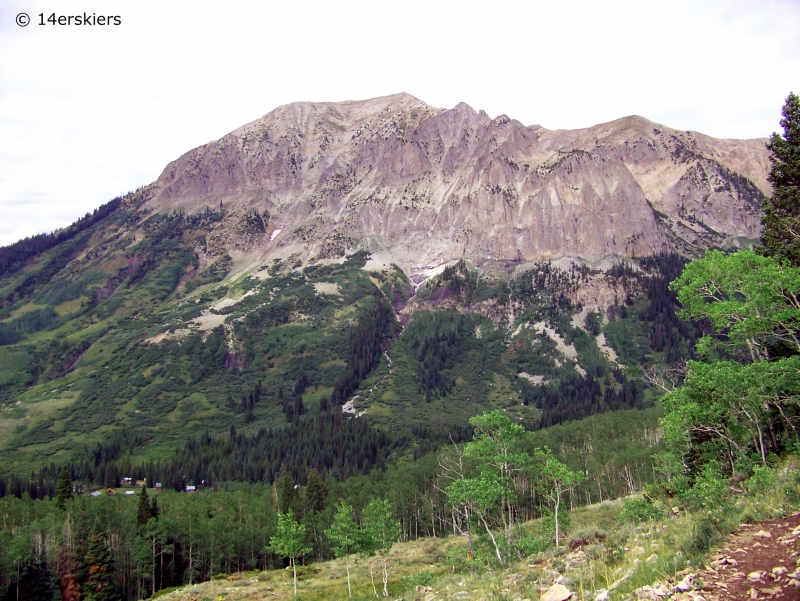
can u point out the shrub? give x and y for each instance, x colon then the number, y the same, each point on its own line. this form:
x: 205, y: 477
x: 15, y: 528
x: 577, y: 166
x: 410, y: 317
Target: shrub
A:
x: 531, y: 544
x: 584, y: 538
x: 708, y: 531
x: 764, y: 479
x: 638, y: 510
x: 709, y: 492
x: 421, y: 578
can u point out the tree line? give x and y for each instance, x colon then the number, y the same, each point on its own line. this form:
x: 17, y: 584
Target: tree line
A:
x: 118, y: 546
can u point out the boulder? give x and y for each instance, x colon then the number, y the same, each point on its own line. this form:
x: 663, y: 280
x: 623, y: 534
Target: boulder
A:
x: 557, y: 592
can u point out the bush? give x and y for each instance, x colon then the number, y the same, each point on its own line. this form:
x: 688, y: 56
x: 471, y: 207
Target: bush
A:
x: 456, y: 556
x: 637, y: 510
x: 707, y: 533
x: 585, y: 538
x: 531, y: 544
x: 764, y: 479
x: 421, y: 578
x: 793, y: 487
x: 709, y: 492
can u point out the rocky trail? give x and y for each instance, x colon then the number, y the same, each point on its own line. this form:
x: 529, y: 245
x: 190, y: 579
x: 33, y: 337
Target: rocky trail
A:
x: 758, y: 561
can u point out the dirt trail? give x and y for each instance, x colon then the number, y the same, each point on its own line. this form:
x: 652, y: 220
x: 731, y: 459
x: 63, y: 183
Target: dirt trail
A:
x: 758, y: 561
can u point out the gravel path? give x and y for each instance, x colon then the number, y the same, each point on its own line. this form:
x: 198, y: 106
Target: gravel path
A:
x: 757, y: 562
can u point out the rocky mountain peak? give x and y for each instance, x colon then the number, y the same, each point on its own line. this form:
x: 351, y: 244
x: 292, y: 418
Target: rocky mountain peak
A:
x: 427, y: 186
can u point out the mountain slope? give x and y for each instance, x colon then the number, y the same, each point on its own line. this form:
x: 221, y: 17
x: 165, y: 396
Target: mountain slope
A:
x: 418, y: 264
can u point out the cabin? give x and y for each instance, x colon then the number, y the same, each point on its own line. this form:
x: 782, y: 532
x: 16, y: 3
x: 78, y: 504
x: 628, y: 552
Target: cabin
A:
x: 96, y: 494
x: 130, y: 493
x: 158, y: 486
x: 127, y: 480
x: 110, y: 491
x: 191, y: 488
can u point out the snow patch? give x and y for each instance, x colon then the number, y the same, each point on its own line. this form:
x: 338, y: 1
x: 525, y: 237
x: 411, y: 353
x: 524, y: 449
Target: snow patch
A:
x: 275, y: 234
x: 565, y: 349
x: 426, y: 273
x: 208, y: 321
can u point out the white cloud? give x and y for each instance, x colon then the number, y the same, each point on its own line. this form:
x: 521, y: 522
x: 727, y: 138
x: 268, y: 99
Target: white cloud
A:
x: 87, y: 113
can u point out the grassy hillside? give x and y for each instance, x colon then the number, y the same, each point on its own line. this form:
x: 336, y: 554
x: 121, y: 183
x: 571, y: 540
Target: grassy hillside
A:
x: 620, y: 547
x: 138, y: 331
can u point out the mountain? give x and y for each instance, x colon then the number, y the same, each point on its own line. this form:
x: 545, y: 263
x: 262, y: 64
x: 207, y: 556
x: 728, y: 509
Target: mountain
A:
x: 384, y: 259
x: 429, y: 186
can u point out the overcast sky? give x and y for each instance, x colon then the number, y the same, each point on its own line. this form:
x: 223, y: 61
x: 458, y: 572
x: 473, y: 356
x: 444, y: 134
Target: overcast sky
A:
x: 88, y: 113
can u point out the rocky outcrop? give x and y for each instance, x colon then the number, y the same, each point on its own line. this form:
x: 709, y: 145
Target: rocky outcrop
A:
x: 428, y: 186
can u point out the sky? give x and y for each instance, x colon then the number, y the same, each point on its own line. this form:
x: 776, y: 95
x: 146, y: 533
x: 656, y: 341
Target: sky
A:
x: 88, y: 113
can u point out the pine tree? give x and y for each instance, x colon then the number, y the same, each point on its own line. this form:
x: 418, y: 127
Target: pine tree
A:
x: 82, y: 536
x: 288, y: 495
x: 101, y: 582
x: 154, y: 510
x: 145, y: 511
x: 781, y: 213
x: 315, y: 492
x: 36, y: 582
x: 63, y: 488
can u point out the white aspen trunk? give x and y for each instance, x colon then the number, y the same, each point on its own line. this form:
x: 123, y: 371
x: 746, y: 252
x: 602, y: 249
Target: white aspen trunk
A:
x: 761, y: 444
x: 558, y: 502
x: 372, y: 579
x: 433, y: 519
x: 494, y: 540
x: 347, y: 567
x: 385, y: 576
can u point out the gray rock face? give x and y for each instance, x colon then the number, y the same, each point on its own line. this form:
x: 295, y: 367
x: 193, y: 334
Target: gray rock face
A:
x: 428, y: 185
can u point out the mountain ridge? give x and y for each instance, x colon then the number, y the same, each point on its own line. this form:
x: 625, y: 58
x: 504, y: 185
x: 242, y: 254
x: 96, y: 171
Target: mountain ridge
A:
x: 431, y: 186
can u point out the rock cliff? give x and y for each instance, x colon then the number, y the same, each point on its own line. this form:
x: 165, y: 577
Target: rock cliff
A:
x: 426, y: 186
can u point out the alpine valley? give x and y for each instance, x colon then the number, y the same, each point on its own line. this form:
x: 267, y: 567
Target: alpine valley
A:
x: 321, y: 307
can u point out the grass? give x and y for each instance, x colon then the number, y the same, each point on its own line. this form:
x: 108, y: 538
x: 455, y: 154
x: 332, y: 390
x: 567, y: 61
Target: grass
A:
x: 600, y: 552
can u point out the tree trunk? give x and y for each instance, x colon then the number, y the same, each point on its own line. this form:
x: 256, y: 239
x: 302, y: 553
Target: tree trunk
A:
x: 153, y: 571
x: 557, y: 503
x: 433, y: 519
x: 385, y: 576
x: 372, y: 578
x: 471, y: 552
x: 347, y: 567
x: 494, y: 540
